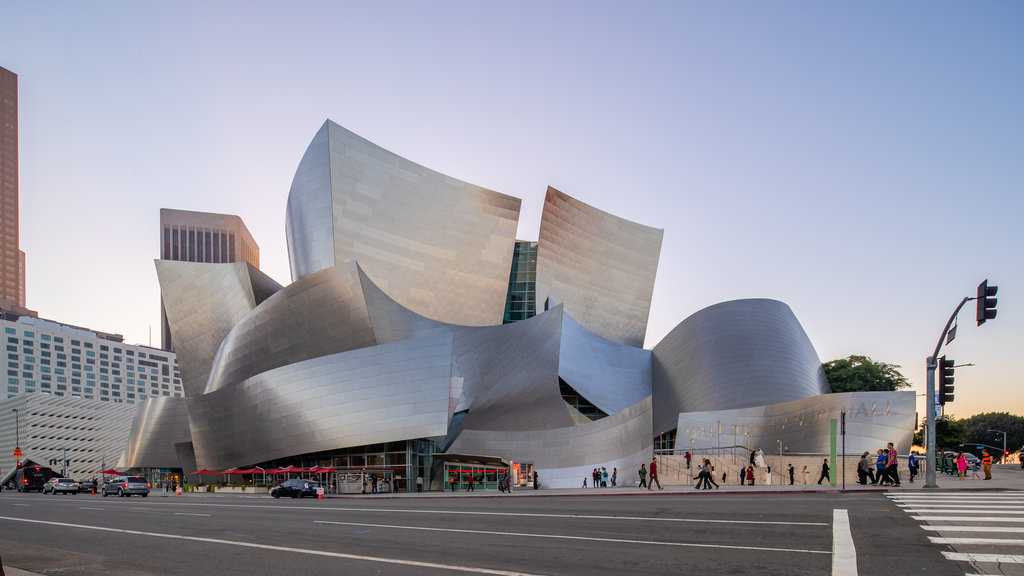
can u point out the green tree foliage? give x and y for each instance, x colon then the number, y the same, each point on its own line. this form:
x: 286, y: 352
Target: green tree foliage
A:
x: 862, y: 374
x: 978, y: 427
x: 969, y: 433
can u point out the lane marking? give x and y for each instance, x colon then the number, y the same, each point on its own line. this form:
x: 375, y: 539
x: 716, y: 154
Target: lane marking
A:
x: 844, y: 554
x: 25, y: 505
x: 969, y: 511
x: 979, y: 541
x: 87, y: 508
x: 189, y: 514
x: 452, y: 567
x: 970, y: 519
x: 565, y: 537
x: 513, y: 514
x: 998, y: 558
x: 954, y: 506
x: 1001, y: 529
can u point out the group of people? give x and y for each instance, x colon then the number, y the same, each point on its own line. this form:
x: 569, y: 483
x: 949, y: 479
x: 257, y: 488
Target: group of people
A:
x: 653, y: 473
x: 962, y: 465
x: 885, y: 472
x: 599, y: 477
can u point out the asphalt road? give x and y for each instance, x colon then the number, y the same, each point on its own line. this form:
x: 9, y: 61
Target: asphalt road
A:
x: 781, y: 533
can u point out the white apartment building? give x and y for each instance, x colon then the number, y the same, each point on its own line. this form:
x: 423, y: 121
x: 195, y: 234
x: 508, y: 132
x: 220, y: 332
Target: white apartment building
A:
x: 46, y: 357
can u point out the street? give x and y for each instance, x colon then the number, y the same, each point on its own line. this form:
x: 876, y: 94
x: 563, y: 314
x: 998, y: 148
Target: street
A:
x: 729, y: 533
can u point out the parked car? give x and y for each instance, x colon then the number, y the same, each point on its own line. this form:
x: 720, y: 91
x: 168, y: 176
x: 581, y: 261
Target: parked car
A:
x: 86, y: 486
x: 126, y: 486
x: 296, y: 488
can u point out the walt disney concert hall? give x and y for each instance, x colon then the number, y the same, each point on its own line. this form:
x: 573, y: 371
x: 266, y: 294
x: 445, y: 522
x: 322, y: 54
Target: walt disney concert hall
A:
x: 419, y: 337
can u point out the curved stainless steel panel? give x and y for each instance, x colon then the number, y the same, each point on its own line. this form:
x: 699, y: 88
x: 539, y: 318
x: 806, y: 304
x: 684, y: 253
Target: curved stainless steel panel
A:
x: 564, y: 456
x: 385, y: 393
x: 159, y: 424
x: 610, y: 375
x: 415, y: 232
x: 735, y: 354
x: 599, y: 266
x: 323, y: 313
x: 203, y: 303
x: 872, y: 420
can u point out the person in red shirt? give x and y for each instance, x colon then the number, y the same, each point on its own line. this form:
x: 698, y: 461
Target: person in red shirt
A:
x: 653, y: 473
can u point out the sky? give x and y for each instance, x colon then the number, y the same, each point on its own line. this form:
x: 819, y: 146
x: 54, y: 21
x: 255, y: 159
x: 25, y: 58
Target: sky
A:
x: 861, y: 162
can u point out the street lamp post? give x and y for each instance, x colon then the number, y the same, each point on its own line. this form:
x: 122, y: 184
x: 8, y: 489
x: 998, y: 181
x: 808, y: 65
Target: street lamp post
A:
x: 1003, y: 455
x: 17, y: 437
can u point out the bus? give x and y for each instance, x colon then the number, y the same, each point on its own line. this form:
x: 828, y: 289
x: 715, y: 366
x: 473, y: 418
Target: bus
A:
x: 31, y: 478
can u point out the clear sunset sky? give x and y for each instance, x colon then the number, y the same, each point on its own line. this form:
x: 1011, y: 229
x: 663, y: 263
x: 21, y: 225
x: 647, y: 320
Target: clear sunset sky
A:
x: 861, y: 161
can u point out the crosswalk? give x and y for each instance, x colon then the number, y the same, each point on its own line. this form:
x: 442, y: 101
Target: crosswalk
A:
x: 984, y: 529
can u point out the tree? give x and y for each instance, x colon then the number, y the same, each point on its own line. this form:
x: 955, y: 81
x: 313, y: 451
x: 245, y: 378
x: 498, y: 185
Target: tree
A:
x: 986, y: 430
x: 862, y: 374
x: 950, y: 433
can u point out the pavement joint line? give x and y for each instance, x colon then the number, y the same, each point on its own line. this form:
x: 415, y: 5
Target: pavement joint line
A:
x: 984, y: 558
x: 569, y: 537
x: 844, y: 553
x: 379, y: 559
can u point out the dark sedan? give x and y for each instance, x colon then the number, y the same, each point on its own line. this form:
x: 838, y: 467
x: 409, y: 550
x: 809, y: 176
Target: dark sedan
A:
x: 296, y: 488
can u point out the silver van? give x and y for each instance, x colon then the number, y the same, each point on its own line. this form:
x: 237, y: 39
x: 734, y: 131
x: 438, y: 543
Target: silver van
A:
x: 126, y: 486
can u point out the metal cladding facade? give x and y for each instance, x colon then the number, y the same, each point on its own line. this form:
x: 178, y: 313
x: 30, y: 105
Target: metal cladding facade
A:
x: 872, y: 420
x: 91, y: 434
x: 736, y: 354
x: 391, y: 331
x: 415, y: 232
x: 599, y: 266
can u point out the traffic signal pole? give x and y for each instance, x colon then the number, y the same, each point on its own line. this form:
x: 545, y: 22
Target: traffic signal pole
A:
x: 986, y: 310
x: 929, y: 402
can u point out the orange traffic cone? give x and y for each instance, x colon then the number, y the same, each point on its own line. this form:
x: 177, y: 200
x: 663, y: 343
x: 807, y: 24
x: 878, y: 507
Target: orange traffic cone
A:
x: 179, y: 491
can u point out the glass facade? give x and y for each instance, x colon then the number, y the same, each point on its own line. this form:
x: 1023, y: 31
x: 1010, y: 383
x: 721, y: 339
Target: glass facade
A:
x: 522, y: 283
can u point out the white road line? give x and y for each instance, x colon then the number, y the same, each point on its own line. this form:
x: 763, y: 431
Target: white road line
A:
x: 844, y: 554
x: 515, y: 514
x: 87, y: 508
x: 454, y: 568
x: 998, y: 558
x: 970, y: 518
x: 978, y: 541
x: 188, y: 514
x: 25, y: 505
x: 1000, y: 529
x: 565, y: 537
x: 958, y: 511
x: 939, y: 505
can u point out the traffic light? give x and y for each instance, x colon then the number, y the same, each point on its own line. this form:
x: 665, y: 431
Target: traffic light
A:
x: 986, y: 302
x: 945, y: 381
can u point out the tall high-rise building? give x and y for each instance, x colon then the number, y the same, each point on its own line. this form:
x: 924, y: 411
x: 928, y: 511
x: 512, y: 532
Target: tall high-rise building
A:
x: 12, y: 259
x: 203, y: 237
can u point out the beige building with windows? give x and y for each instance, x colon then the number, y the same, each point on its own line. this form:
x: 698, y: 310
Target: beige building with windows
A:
x: 12, y: 259
x: 188, y: 236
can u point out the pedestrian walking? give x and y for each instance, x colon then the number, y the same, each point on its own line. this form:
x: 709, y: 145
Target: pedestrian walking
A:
x: 653, y: 471
x: 986, y: 464
x: 912, y: 464
x: 974, y: 471
x: 643, y: 476
x: 824, y: 472
x: 806, y: 473
x: 687, y: 456
x: 892, y: 465
x: 604, y: 477
x: 750, y: 475
x: 864, y: 470
x: 419, y: 483
x: 881, y: 476
x: 615, y: 477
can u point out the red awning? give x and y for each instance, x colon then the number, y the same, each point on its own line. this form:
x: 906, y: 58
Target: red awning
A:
x: 322, y: 470
x: 111, y: 472
x: 204, y: 471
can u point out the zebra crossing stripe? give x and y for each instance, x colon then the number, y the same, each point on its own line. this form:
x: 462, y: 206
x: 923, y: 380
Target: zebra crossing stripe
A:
x: 978, y: 541
x: 994, y: 558
x: 1000, y: 529
x: 969, y: 518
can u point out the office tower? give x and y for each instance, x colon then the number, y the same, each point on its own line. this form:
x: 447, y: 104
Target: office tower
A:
x: 12, y: 259
x: 203, y: 237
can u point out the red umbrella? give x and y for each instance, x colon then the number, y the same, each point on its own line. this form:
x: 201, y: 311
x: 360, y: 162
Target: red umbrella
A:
x: 204, y: 471
x: 111, y: 472
x: 322, y: 470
